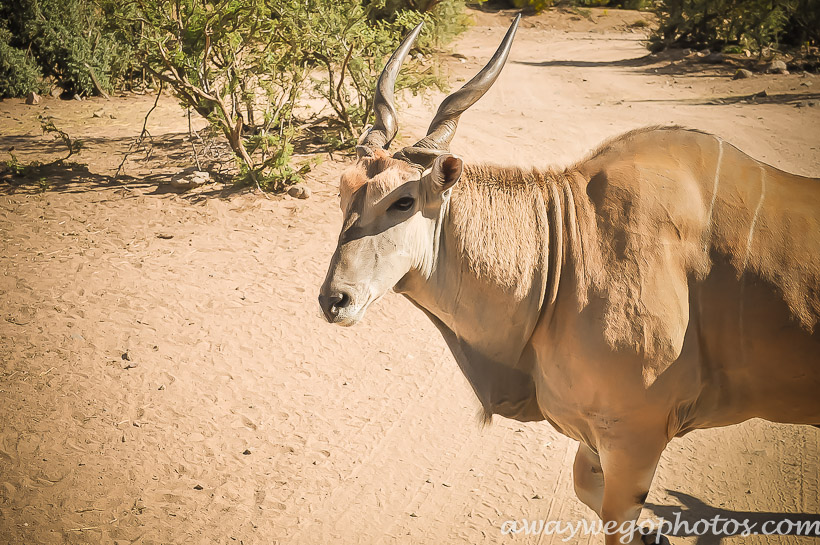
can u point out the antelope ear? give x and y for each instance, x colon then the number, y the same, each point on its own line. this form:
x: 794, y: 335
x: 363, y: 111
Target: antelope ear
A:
x: 445, y: 172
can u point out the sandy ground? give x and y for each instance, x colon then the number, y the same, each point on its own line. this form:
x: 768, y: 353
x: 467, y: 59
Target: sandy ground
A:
x: 239, y: 416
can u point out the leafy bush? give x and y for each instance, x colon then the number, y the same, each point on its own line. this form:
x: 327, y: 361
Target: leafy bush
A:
x: 245, y: 64
x: 536, y: 6
x: 444, y: 18
x: 239, y: 64
x: 752, y: 24
x: 71, y: 40
x: 349, y: 49
x: 242, y: 64
x: 19, y: 74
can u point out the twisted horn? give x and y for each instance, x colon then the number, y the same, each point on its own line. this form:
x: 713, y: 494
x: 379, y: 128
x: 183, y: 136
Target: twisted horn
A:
x: 385, y: 124
x: 443, y: 127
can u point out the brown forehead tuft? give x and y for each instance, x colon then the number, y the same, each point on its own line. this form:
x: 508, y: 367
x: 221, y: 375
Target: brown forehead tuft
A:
x: 381, y: 174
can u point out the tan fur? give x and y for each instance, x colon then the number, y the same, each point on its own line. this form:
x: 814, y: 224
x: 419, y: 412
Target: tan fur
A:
x: 652, y: 241
x: 499, y: 220
x: 649, y: 248
x: 381, y: 174
x: 666, y: 283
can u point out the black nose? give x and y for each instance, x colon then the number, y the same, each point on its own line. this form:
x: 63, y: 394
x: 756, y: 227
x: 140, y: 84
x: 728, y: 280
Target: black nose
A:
x: 333, y: 303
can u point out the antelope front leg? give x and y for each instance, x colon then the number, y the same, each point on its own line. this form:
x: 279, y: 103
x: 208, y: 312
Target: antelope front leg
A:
x: 628, y: 470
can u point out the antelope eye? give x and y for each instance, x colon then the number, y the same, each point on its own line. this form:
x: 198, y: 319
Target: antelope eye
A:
x: 403, y: 205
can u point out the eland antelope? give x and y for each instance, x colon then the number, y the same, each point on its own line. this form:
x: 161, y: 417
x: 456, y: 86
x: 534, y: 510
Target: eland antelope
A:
x: 667, y: 282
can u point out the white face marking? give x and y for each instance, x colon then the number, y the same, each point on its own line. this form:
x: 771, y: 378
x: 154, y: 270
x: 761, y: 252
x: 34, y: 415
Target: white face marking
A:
x: 380, y: 243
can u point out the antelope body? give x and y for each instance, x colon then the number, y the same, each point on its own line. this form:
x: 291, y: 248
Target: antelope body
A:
x: 666, y: 283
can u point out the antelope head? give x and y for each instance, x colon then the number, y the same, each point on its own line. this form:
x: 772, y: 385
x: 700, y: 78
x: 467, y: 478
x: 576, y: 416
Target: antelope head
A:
x: 393, y: 205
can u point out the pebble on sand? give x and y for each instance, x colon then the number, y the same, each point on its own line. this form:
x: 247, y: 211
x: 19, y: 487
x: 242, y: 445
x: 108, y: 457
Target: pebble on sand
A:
x: 188, y: 179
x: 299, y: 192
x: 777, y: 67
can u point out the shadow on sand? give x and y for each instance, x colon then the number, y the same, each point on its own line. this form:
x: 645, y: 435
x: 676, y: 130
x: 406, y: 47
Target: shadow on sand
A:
x: 39, y: 169
x: 694, y: 519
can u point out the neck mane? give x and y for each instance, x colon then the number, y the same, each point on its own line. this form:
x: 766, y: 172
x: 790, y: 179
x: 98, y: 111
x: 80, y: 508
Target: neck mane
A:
x: 511, y: 226
x: 505, y: 240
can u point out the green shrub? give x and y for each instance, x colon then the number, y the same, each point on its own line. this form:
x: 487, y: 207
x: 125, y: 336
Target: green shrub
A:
x: 71, y: 40
x: 19, y: 74
x: 444, y: 18
x: 752, y: 24
x: 634, y: 4
x: 536, y: 6
x: 242, y: 65
x: 245, y: 64
x: 349, y: 45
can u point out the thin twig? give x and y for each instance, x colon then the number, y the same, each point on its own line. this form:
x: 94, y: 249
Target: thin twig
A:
x: 138, y: 142
x: 191, y: 139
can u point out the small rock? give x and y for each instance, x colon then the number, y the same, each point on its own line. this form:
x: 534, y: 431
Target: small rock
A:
x: 77, y: 97
x: 198, y: 487
x: 742, y: 73
x: 32, y: 99
x: 98, y: 113
x: 246, y: 452
x: 129, y: 364
x: 190, y: 179
x: 805, y: 83
x: 112, y: 116
x: 762, y: 94
x: 536, y: 497
x: 777, y: 67
x: 299, y: 192
x: 56, y: 92
x: 686, y: 52
x: 165, y: 236
x: 161, y: 387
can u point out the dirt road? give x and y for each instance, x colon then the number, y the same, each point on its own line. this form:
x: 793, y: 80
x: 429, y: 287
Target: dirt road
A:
x: 166, y: 376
